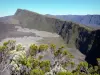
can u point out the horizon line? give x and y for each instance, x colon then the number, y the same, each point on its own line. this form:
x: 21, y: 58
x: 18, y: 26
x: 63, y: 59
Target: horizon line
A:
x: 47, y: 13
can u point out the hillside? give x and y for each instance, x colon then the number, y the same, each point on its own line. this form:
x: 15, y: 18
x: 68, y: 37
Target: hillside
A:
x: 34, y: 20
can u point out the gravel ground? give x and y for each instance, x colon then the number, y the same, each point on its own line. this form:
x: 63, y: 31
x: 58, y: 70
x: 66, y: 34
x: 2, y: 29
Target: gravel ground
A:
x: 27, y: 36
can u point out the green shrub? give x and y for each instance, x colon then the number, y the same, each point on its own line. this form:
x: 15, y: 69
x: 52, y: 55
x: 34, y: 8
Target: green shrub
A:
x: 37, y: 72
x: 43, y: 48
x: 65, y: 52
x: 64, y: 73
x: 35, y: 63
x: 70, y: 55
x: 40, y: 57
x: 98, y: 60
x: 33, y: 49
x: 22, y: 60
x: 19, y: 47
x: 52, y: 46
x: 2, y: 48
x: 45, y: 65
x: 5, y: 43
x: 57, y: 53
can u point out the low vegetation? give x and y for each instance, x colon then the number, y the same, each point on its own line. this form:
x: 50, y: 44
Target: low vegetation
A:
x: 24, y: 64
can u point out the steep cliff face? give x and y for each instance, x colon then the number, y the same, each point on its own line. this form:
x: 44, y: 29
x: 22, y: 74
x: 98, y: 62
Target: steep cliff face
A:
x: 94, y: 51
x: 85, y: 39
x: 74, y: 34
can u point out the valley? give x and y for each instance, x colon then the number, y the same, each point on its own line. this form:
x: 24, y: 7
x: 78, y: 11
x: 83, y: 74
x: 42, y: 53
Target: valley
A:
x: 29, y: 28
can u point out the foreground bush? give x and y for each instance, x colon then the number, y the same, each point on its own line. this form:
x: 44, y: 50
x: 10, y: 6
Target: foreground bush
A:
x: 37, y: 72
x: 33, y: 64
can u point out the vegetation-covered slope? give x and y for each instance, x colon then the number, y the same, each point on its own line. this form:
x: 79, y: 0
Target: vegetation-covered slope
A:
x: 17, y: 60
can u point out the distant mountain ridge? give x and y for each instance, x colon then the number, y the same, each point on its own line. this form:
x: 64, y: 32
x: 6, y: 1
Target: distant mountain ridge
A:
x: 90, y: 20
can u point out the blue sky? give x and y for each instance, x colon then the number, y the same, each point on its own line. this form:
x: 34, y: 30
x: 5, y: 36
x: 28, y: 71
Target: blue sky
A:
x: 55, y: 7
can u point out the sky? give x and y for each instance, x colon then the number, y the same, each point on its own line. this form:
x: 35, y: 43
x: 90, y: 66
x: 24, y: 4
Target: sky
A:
x: 54, y: 7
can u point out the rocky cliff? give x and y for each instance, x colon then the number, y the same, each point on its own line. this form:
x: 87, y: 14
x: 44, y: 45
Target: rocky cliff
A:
x: 85, y: 39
